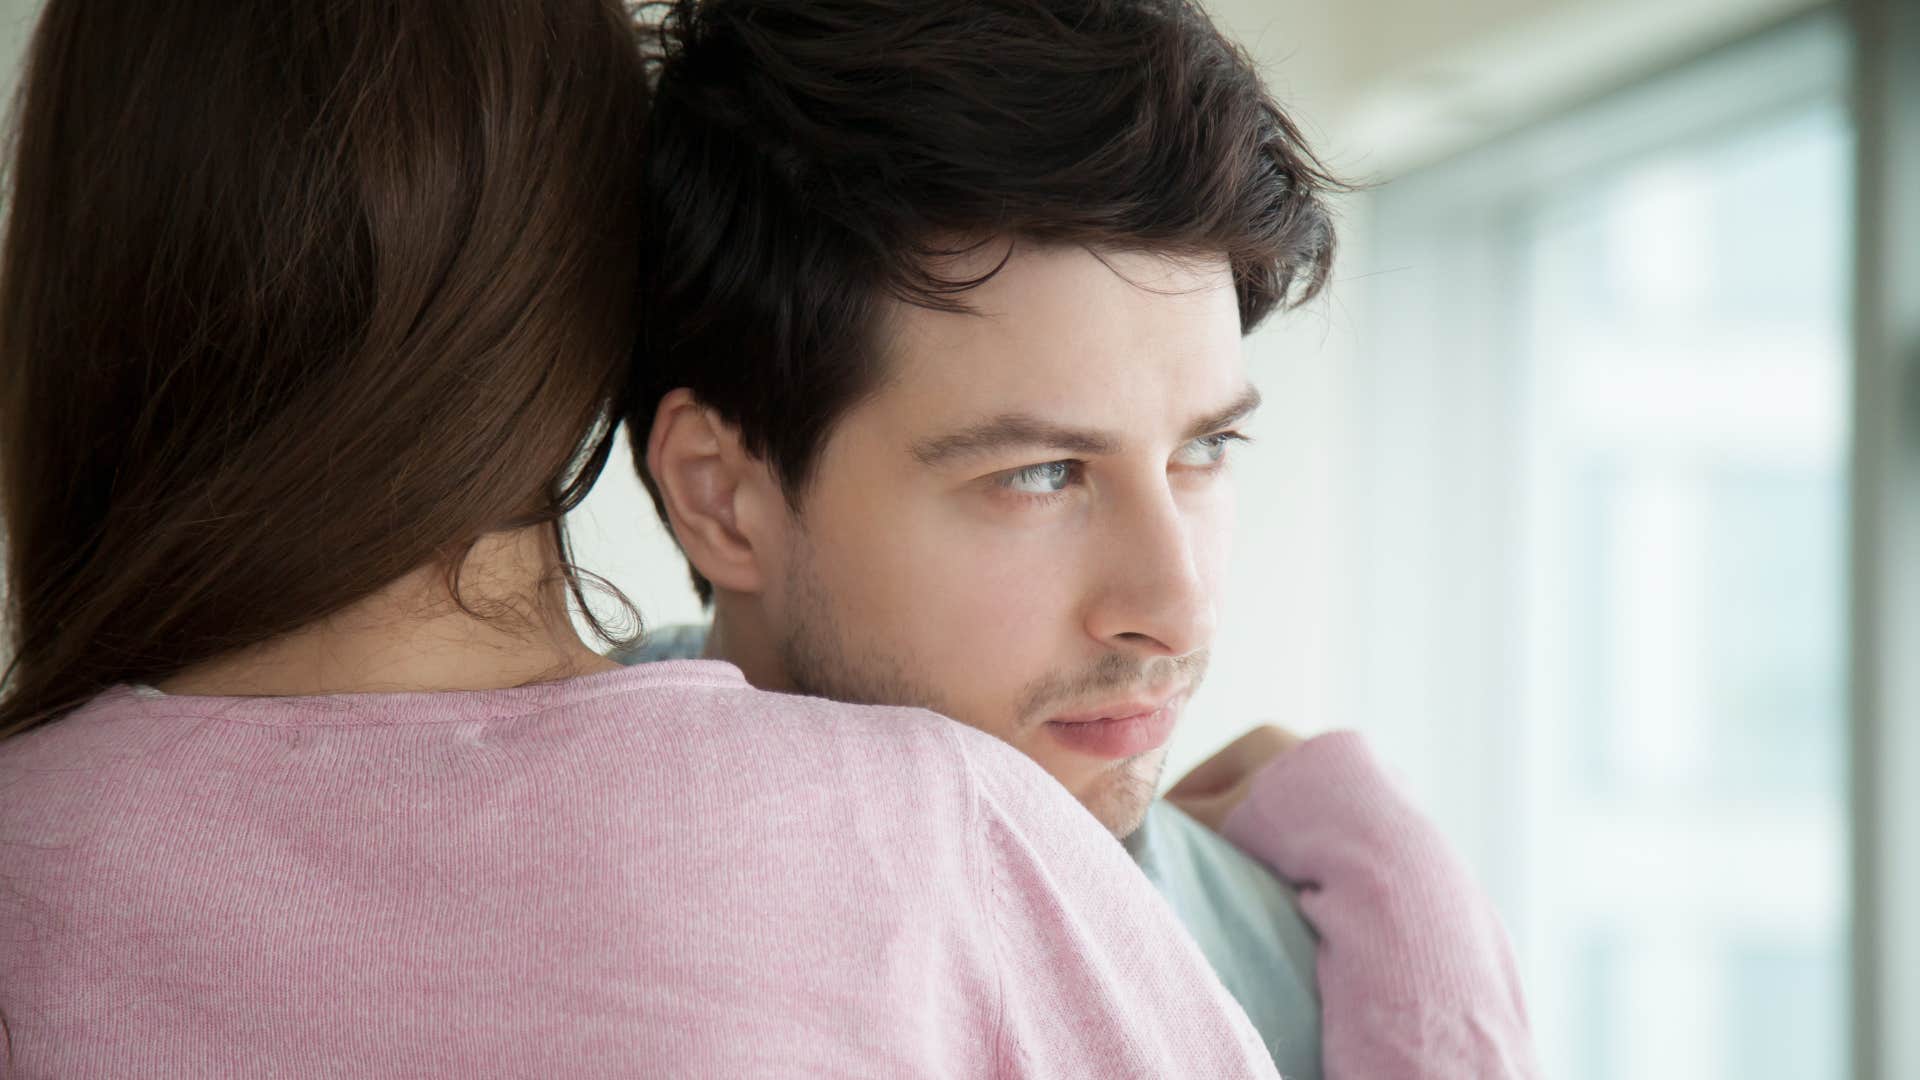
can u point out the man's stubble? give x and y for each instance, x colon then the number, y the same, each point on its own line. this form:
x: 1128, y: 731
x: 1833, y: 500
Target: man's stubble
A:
x: 820, y: 658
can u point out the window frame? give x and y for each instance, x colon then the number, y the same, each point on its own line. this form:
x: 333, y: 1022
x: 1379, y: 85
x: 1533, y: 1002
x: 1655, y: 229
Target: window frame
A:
x: 1885, y: 626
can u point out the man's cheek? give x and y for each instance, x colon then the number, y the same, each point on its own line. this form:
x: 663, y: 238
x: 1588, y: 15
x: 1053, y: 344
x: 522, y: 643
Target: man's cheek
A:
x: 1211, y: 542
x: 999, y: 620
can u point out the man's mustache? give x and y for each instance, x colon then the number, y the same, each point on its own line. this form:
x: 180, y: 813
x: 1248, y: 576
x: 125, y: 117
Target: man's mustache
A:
x: 1114, y: 674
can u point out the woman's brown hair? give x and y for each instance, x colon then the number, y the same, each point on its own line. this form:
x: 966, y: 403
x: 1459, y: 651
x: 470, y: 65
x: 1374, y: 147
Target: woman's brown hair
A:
x: 297, y: 298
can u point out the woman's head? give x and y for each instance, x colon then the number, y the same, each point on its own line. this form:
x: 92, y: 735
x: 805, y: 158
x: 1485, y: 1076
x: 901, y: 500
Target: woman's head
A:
x: 297, y: 298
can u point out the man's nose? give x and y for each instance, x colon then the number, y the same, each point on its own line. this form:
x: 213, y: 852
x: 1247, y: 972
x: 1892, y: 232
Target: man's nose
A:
x: 1153, y: 596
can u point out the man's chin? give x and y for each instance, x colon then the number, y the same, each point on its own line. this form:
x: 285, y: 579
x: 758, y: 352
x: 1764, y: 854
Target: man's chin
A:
x: 1119, y: 797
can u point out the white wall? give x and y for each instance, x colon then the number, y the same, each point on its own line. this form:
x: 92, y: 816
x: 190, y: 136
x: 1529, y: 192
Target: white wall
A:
x: 16, y: 24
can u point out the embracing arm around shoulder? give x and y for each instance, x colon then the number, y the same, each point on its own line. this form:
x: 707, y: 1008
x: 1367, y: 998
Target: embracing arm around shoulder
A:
x: 1416, y: 974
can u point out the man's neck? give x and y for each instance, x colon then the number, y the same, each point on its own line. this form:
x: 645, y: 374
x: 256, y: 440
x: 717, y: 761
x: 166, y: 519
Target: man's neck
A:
x: 739, y: 636
x: 413, y: 635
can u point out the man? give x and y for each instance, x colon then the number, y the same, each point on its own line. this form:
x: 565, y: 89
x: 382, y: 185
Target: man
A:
x: 938, y: 391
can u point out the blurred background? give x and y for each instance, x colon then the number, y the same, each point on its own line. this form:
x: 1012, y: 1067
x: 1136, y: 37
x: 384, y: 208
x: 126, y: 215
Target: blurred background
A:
x: 1583, y: 493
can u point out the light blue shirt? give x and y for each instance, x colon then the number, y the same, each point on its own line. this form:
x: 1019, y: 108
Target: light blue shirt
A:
x: 1248, y: 925
x: 1246, y: 921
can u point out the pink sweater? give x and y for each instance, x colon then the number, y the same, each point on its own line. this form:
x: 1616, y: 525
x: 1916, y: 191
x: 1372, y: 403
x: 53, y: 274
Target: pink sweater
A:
x: 654, y: 871
x: 1417, y: 979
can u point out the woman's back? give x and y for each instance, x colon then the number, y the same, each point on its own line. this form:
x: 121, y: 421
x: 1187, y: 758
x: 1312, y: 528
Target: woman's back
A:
x: 656, y: 869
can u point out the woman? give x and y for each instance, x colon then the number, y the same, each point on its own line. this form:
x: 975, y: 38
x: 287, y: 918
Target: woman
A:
x: 311, y: 319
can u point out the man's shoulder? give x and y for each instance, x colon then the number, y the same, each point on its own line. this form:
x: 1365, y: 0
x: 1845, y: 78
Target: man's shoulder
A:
x: 1248, y: 924
x: 1183, y: 856
x: 675, y: 641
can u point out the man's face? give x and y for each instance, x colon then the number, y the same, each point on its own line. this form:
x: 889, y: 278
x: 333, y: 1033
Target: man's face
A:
x: 1024, y: 526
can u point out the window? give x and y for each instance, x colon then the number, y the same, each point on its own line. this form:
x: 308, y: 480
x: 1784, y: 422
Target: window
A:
x: 1605, y: 428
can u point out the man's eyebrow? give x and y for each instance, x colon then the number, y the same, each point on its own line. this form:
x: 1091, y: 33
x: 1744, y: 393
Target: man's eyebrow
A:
x: 1010, y: 431
x: 1241, y: 408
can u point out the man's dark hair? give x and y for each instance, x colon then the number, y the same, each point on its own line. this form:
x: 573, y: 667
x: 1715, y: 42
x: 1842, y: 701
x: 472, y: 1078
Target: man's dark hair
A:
x: 809, y: 160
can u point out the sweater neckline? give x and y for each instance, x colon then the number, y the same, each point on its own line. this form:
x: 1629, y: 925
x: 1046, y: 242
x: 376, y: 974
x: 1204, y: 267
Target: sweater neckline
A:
x: 429, y: 706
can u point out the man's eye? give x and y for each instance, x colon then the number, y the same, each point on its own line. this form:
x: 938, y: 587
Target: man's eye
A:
x: 1054, y: 476
x: 1207, y: 450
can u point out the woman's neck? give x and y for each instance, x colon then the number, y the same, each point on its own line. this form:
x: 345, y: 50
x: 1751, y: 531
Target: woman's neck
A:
x: 414, y: 636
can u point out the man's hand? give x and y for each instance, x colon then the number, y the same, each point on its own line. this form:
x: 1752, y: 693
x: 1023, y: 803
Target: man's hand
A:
x: 1211, y: 791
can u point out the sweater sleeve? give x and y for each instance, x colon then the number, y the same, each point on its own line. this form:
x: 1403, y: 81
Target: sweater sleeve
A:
x: 1417, y: 978
x: 1097, y: 977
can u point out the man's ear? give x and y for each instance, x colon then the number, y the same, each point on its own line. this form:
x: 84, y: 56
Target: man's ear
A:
x: 723, y: 505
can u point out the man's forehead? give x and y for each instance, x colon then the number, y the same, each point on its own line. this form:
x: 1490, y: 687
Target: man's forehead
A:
x: 1062, y: 314
x: 1060, y: 338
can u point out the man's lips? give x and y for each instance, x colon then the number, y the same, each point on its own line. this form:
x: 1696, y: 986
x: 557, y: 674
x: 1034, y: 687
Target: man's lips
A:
x: 1122, y: 730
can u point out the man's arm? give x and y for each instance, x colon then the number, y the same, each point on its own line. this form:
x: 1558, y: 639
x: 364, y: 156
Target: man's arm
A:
x: 1416, y: 976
